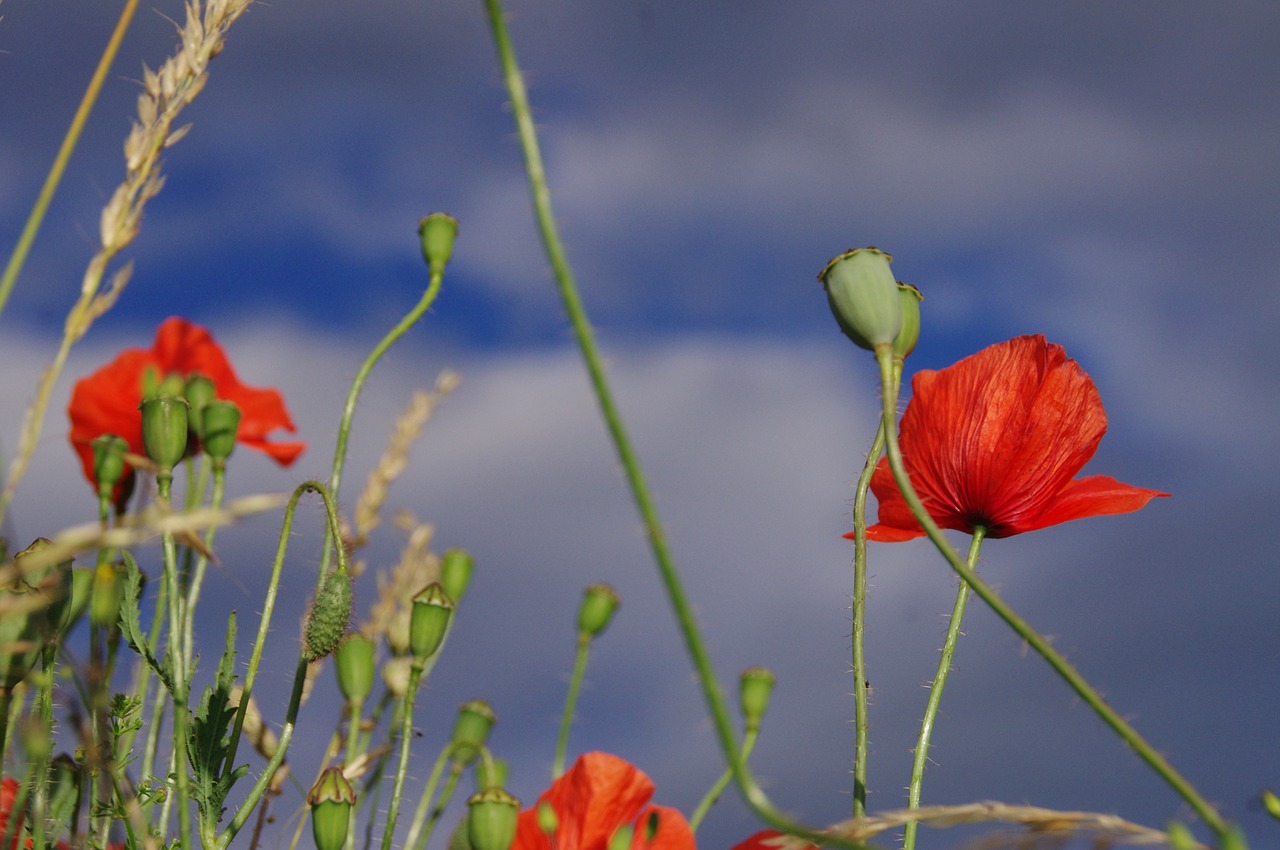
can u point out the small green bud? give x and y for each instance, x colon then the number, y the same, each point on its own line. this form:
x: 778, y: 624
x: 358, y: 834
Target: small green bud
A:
x: 164, y: 430
x: 108, y: 591
x: 198, y: 391
x: 905, y: 342
x: 755, y: 686
x: 331, y: 800
x: 621, y: 838
x: 1271, y: 803
x: 330, y: 614
x: 355, y: 668
x: 491, y: 772
x: 456, y: 566
x: 548, y: 820
x: 471, y: 730
x: 599, y: 603
x: 432, y: 609
x: 108, y: 462
x: 437, y: 231
x: 864, y: 296
x: 491, y: 819
x: 221, y: 424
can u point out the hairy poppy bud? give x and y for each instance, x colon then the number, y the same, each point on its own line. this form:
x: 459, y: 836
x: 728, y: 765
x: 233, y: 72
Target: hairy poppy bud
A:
x: 905, y: 342
x: 432, y: 609
x: 864, y: 296
x: 599, y: 602
x: 108, y: 462
x: 221, y: 424
x: 330, y: 613
x: 437, y: 231
x: 164, y: 430
x: 198, y: 391
x: 456, y: 566
x: 331, y: 800
x: 755, y: 686
x: 354, y: 665
x: 491, y: 819
x: 471, y: 729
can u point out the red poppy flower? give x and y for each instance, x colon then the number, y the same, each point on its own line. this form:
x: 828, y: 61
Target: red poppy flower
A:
x: 8, y: 796
x: 107, y: 401
x: 995, y: 441
x: 596, y: 797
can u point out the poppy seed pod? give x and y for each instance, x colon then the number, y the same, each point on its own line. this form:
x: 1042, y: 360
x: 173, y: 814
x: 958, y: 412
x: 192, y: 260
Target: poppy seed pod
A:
x: 755, y: 686
x: 164, y: 430
x: 221, y: 424
x: 432, y: 609
x: 864, y: 296
x: 490, y: 772
x: 491, y: 819
x: 437, y: 231
x: 331, y: 800
x: 198, y: 391
x: 905, y: 342
x: 108, y: 462
x: 599, y: 603
x: 354, y: 665
x: 456, y: 566
x: 471, y: 729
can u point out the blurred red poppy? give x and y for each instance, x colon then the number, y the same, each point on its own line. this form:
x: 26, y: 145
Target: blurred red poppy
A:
x: 8, y: 795
x: 592, y: 800
x: 107, y: 401
x: 996, y: 440
x: 767, y: 839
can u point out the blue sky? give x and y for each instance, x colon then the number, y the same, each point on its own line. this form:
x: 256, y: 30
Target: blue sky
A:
x: 1100, y: 173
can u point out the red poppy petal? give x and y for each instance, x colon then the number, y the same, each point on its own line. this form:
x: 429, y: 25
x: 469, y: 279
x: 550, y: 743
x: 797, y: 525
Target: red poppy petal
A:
x: 672, y: 830
x: 595, y: 797
x: 1096, y: 495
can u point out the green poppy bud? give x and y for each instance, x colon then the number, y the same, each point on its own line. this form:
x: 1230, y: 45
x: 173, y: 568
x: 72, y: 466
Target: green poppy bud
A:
x: 198, y: 391
x: 331, y: 800
x: 456, y: 566
x: 864, y: 296
x: 164, y: 430
x: 548, y: 820
x: 355, y: 668
x: 108, y: 462
x: 491, y: 772
x: 755, y: 686
x: 221, y: 424
x: 471, y: 730
x: 108, y: 591
x: 1271, y: 803
x: 329, y: 616
x: 599, y: 602
x: 491, y: 819
x: 621, y: 838
x: 905, y: 342
x: 437, y: 231
x: 432, y: 609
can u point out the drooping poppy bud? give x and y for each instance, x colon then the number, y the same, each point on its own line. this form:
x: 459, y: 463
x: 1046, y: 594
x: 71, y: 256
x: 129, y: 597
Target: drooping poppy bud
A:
x: 355, y: 668
x: 198, y: 391
x: 437, y: 231
x: 221, y: 424
x: 599, y: 603
x: 329, y: 616
x: 331, y: 800
x: 471, y: 730
x: 432, y: 609
x: 491, y: 819
x: 456, y: 566
x: 864, y: 296
x: 755, y: 687
x: 906, y: 340
x: 164, y: 430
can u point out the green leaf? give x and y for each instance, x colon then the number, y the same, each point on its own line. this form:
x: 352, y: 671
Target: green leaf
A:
x: 130, y: 625
x: 209, y: 740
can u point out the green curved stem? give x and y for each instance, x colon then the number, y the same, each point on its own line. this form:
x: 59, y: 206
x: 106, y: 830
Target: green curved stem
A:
x: 860, y: 678
x: 69, y: 141
x: 694, y: 645
x: 935, y: 692
x: 571, y: 703
x: 424, y: 802
x: 418, y: 840
x: 713, y: 795
x: 1034, y: 639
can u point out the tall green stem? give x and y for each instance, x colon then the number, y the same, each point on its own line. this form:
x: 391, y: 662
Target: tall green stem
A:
x: 694, y: 645
x: 402, y: 766
x: 935, y: 692
x: 178, y: 667
x: 1034, y: 639
x: 571, y: 703
x: 860, y: 678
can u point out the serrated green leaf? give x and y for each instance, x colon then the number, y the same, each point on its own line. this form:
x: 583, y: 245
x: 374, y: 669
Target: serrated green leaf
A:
x: 208, y: 741
x: 130, y: 621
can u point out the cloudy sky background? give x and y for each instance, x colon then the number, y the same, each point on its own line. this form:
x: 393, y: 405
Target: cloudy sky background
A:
x: 1100, y: 173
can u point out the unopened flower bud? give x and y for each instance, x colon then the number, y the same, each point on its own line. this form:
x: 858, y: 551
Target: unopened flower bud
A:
x: 221, y: 424
x: 864, y: 296
x: 198, y: 391
x: 432, y: 609
x: 755, y: 686
x: 164, y: 430
x: 599, y: 603
x: 331, y: 800
x: 491, y: 819
x: 329, y: 616
x: 905, y: 342
x: 437, y: 231
x: 456, y: 566
x: 354, y: 665
x: 471, y: 729
x: 548, y: 820
x: 108, y: 462
x: 108, y: 591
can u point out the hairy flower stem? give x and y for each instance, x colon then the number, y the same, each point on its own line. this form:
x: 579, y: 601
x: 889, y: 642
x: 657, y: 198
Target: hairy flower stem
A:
x: 178, y: 668
x: 1034, y: 639
x: 751, y: 791
x: 421, y: 827
x: 402, y: 766
x: 36, y: 217
x: 935, y: 692
x: 571, y: 703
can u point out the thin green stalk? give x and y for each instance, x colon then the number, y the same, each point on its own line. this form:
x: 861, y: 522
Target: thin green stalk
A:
x: 196, y: 580
x: 860, y: 678
x: 1034, y: 639
x: 694, y: 645
x: 402, y: 767
x: 178, y: 666
x: 571, y: 703
x: 69, y: 141
x: 935, y: 692
x: 422, y: 827
x: 713, y: 795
